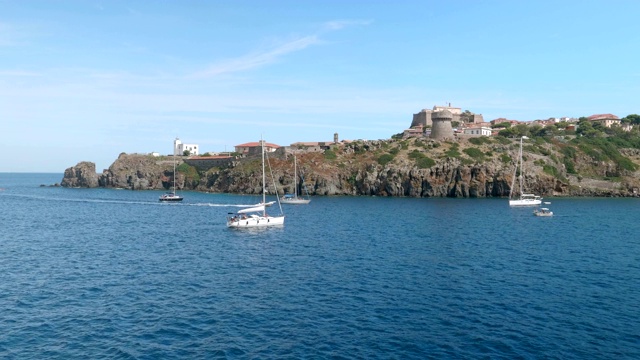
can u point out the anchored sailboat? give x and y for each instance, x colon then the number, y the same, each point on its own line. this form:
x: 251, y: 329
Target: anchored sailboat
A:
x: 172, y: 196
x: 524, y: 199
x: 294, y: 199
x: 256, y: 216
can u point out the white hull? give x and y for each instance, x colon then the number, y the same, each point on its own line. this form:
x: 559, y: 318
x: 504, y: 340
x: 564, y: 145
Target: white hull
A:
x: 295, y: 201
x: 525, y: 202
x: 255, y: 221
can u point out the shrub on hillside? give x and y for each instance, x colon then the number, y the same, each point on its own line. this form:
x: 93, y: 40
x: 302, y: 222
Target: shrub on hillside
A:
x: 474, y: 153
x: 330, y: 154
x: 385, y: 159
x: 425, y: 163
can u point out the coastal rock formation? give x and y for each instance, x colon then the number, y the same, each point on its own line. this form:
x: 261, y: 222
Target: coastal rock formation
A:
x: 140, y: 172
x: 403, y: 168
x: 82, y: 175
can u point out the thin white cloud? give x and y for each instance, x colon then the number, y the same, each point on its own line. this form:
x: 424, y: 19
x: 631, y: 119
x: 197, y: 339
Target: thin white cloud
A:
x: 260, y: 59
x: 256, y: 60
x: 341, y: 24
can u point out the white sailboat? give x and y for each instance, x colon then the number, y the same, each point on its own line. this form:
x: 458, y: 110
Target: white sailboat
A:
x: 294, y: 199
x: 172, y: 196
x: 256, y: 216
x: 524, y: 199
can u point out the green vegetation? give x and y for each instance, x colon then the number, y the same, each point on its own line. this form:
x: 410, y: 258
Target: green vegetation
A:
x: 551, y: 170
x: 191, y: 173
x: 453, y: 151
x: 480, y: 140
x: 606, y: 149
x: 422, y: 161
x: 425, y: 163
x: 385, y: 159
x: 330, y: 155
x: 474, y: 153
x: 502, y: 140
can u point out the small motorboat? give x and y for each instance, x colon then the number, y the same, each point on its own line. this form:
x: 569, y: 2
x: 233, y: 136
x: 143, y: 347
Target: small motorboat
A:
x: 542, y: 212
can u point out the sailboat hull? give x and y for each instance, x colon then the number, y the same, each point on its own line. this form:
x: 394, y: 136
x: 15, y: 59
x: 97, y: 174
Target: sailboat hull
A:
x: 525, y: 202
x: 170, y: 198
x: 294, y: 201
x: 254, y: 221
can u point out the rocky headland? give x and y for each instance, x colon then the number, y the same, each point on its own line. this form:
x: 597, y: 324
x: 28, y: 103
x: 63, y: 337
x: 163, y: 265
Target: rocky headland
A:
x: 414, y: 167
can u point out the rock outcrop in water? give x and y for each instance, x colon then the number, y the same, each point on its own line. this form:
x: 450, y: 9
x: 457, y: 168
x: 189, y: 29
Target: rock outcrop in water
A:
x: 408, y: 168
x: 82, y: 175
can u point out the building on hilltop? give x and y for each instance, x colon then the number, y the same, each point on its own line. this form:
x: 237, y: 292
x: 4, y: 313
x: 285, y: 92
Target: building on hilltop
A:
x: 478, y: 131
x: 424, y: 118
x: 607, y: 120
x: 179, y: 148
x: 254, y: 148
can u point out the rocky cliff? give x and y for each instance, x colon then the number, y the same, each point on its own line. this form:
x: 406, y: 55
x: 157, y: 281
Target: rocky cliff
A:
x: 81, y: 175
x: 409, y: 167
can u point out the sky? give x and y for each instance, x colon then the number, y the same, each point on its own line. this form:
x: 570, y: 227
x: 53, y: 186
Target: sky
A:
x: 88, y: 80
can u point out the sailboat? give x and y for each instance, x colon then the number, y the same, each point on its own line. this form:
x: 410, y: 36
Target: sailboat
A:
x: 294, y: 199
x: 172, y: 196
x: 524, y: 199
x: 256, y: 216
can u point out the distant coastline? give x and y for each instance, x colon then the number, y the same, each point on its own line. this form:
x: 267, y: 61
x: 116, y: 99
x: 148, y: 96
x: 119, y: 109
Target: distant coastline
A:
x: 410, y: 167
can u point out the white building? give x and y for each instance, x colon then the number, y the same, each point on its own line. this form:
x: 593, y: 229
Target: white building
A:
x: 478, y: 131
x: 179, y: 148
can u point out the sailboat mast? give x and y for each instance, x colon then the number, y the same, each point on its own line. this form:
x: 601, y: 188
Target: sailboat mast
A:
x: 264, y: 190
x: 174, y: 172
x: 295, y: 177
x: 521, y: 166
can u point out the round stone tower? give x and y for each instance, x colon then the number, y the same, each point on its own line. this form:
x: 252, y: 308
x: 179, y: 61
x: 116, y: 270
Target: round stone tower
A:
x: 441, y: 125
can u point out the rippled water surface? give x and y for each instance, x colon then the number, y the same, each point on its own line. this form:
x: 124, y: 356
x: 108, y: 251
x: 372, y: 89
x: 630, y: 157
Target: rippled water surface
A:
x: 97, y: 273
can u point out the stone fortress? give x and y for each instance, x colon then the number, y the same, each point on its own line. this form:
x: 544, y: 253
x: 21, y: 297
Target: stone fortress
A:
x: 445, y: 122
x: 425, y: 117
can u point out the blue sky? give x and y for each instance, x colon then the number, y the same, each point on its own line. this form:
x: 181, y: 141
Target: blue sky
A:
x: 87, y: 80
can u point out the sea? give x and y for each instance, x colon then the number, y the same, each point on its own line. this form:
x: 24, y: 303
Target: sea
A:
x: 115, y: 274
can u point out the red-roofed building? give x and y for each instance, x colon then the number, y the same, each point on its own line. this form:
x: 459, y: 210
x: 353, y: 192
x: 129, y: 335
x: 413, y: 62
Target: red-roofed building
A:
x: 607, y: 120
x: 254, y: 148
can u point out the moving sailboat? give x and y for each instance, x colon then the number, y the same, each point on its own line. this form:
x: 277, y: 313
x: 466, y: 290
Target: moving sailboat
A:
x: 524, y: 199
x: 172, y: 196
x: 294, y: 199
x: 256, y: 216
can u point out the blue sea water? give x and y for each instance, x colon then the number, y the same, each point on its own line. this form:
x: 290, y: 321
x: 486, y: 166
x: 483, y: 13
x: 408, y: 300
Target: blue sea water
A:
x: 103, y: 273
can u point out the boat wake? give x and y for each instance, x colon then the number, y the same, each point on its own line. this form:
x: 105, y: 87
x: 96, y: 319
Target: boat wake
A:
x: 114, y: 201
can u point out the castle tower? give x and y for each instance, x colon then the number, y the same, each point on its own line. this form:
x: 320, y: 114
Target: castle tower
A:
x: 335, y: 138
x: 441, y: 127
